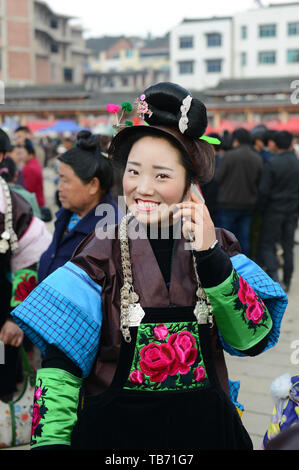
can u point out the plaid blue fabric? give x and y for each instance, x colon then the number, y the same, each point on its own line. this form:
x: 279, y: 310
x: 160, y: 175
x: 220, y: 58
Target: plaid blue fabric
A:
x: 272, y: 294
x: 64, y: 310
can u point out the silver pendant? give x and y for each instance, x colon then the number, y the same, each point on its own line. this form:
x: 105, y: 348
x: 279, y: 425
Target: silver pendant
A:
x: 4, y: 246
x: 135, y: 315
x: 201, y: 312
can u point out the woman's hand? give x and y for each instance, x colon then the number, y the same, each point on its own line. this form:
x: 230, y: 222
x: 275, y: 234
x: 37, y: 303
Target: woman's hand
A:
x: 11, y: 334
x: 197, y: 223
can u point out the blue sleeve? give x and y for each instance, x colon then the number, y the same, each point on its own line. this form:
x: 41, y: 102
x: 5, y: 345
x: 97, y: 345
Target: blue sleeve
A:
x: 65, y: 310
x: 271, y: 293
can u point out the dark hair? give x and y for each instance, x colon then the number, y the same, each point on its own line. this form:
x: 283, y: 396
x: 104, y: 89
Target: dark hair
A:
x: 165, y: 100
x: 23, y: 129
x: 5, y: 144
x: 283, y: 140
x: 29, y: 147
x: 11, y: 167
x: 269, y: 135
x: 242, y: 136
x: 216, y: 136
x: 259, y: 136
x: 88, y: 162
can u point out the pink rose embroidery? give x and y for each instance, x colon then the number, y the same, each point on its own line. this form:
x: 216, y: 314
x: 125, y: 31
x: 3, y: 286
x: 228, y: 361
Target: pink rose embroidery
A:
x: 38, y: 393
x: 158, y: 361
x: 36, y: 417
x: 137, y: 377
x: 183, y: 345
x: 199, y: 374
x: 246, y: 293
x: 255, y: 312
x: 161, y: 332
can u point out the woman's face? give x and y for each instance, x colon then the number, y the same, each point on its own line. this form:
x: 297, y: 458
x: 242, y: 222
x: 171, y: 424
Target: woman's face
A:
x: 74, y: 195
x: 154, y: 180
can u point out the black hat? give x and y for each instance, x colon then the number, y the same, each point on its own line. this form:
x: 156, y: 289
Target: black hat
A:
x: 5, y: 145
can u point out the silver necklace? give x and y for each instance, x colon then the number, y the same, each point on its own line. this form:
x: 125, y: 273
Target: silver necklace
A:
x: 131, y: 312
x: 8, y: 239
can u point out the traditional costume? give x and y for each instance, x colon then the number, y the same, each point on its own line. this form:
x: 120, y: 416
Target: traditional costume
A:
x: 132, y: 332
x: 23, y: 240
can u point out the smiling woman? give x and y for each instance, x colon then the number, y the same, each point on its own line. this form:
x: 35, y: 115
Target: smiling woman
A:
x: 143, y: 337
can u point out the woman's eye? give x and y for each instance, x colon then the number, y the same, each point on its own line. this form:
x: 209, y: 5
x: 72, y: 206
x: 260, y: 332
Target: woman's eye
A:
x: 162, y: 176
x: 133, y: 172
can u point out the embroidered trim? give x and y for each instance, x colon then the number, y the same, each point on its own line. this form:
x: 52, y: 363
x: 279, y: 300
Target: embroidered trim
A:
x: 167, y: 357
x: 39, y: 412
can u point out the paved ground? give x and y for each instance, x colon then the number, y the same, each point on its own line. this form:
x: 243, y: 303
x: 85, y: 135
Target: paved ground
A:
x: 256, y: 374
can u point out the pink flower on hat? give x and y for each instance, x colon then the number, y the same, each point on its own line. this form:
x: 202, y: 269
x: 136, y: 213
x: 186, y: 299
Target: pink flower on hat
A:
x: 112, y: 108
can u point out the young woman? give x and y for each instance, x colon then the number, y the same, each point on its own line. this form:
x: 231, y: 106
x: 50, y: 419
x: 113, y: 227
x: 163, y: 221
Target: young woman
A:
x: 133, y: 328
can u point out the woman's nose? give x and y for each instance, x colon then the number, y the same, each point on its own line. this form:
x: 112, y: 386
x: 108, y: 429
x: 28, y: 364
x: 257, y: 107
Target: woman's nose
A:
x: 145, y: 186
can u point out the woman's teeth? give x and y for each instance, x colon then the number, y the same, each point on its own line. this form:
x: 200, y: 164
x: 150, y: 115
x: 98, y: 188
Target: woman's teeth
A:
x: 147, y: 204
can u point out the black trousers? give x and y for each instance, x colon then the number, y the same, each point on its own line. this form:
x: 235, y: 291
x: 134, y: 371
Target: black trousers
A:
x: 277, y: 228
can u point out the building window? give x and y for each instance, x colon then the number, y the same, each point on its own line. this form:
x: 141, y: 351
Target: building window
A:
x: 243, y: 59
x: 293, y: 29
x: 243, y: 32
x: 267, y: 30
x: 293, y: 56
x: 214, y: 65
x: 214, y: 40
x: 129, y: 53
x: 267, y: 57
x: 68, y: 75
x: 186, y: 67
x: 186, y: 42
x: 54, y: 48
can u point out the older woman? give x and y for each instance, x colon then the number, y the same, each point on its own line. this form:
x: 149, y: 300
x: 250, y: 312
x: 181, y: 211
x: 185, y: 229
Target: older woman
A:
x: 85, y: 181
x: 141, y: 316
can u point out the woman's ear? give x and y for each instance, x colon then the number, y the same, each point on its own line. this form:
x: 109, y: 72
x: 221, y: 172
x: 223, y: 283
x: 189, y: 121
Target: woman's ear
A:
x: 95, y: 186
x: 187, y: 195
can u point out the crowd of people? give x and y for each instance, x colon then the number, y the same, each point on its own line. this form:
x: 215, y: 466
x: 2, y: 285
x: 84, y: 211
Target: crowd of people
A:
x: 255, y: 195
x: 251, y: 190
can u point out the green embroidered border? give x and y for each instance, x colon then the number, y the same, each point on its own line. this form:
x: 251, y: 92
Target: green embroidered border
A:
x: 180, y: 381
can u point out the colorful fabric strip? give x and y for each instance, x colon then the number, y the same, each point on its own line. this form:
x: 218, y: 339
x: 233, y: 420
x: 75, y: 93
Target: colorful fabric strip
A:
x: 55, y: 407
x: 64, y: 310
x: 32, y: 245
x: 24, y: 281
x: 241, y: 316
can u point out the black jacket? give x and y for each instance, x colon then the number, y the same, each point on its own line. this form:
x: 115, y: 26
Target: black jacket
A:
x: 279, y: 185
x: 238, y: 176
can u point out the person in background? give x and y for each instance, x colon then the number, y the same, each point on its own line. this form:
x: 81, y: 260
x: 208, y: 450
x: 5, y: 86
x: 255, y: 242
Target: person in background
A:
x: 23, y: 238
x: 33, y: 174
x: 259, y: 145
x: 85, y: 181
x: 210, y: 190
x: 279, y: 203
x: 10, y: 174
x: 237, y: 176
x: 22, y: 134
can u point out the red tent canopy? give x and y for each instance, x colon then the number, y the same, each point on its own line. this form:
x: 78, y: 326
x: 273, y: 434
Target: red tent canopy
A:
x: 35, y: 126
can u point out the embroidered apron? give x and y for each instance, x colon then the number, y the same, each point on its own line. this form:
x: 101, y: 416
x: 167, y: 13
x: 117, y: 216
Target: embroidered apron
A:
x: 165, y: 393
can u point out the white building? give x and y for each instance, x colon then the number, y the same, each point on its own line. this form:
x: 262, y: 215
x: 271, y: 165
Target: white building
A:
x: 258, y: 43
x: 201, y: 52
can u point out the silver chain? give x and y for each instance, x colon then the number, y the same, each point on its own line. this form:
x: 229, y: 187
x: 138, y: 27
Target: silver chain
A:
x: 128, y: 297
x: 9, y: 235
